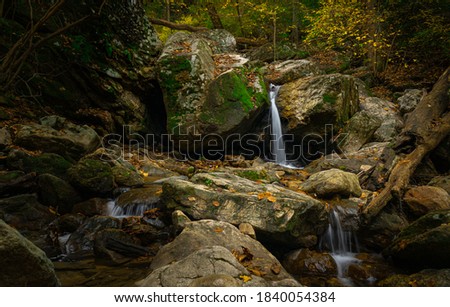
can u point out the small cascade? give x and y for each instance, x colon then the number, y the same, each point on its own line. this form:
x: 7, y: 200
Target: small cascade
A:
x: 278, y: 150
x: 112, y: 209
x: 342, y: 244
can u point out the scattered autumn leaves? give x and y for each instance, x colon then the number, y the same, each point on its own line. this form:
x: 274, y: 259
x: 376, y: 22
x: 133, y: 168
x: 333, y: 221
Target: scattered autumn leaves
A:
x: 246, y: 258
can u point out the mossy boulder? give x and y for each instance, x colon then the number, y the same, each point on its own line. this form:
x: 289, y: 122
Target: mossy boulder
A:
x: 184, y: 69
x: 23, y: 263
x: 232, y: 103
x: 425, y: 243
x: 46, y: 163
x: 425, y: 278
x: 202, y: 98
x: 92, y: 176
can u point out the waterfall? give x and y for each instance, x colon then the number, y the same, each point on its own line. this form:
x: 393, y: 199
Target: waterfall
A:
x: 112, y: 209
x: 277, y: 150
x: 343, y: 245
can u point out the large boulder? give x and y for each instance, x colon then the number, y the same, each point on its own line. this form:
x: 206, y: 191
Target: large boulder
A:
x: 92, y: 176
x: 425, y: 278
x: 220, y: 40
x: 45, y: 163
x: 202, y: 99
x: 23, y: 263
x: 290, y: 70
x: 423, y: 199
x: 311, y: 103
x: 423, y: 244
x: 326, y: 184
x: 57, y: 193
x: 57, y: 135
x: 382, y: 229
x: 358, y: 131
x: 276, y: 213
x: 208, y: 247
x: 409, y: 100
x: 386, y: 113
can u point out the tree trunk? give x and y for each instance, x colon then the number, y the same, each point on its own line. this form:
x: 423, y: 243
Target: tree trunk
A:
x: 294, y: 34
x: 215, y: 18
x: 425, y: 129
x: 238, y: 10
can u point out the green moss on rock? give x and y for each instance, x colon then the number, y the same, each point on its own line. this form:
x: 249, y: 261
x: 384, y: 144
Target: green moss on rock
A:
x: 92, y: 176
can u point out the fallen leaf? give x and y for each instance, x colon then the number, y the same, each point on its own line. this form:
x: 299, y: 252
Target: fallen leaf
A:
x: 261, y: 196
x: 272, y: 199
x: 218, y: 229
x: 275, y: 268
x: 192, y: 198
x: 152, y: 213
x: 413, y: 283
x: 256, y: 271
x: 216, y: 203
x: 245, y: 278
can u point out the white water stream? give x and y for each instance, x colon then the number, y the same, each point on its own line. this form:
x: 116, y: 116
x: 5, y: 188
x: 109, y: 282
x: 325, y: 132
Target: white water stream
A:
x: 278, y: 151
x: 343, y: 245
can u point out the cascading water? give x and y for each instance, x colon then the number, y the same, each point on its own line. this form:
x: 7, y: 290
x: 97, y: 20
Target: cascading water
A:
x: 343, y: 245
x: 112, y: 209
x: 278, y: 150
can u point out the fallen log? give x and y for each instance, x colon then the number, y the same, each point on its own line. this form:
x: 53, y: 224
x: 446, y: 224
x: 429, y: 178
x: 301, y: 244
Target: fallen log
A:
x: 185, y: 27
x: 425, y: 128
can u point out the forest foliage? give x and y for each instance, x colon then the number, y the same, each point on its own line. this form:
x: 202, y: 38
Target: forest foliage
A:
x: 376, y: 33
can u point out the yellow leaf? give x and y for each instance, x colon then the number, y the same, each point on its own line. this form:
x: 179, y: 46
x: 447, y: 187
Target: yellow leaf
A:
x: 245, y: 278
x: 192, y: 198
x: 216, y: 203
x: 275, y: 268
x: 261, y: 196
x: 256, y: 271
x: 272, y: 199
x: 218, y: 229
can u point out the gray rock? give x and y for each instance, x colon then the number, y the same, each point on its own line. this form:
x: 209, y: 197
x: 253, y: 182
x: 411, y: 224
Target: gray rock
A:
x: 200, y: 264
x: 329, y: 183
x: 276, y: 213
x: 385, y: 112
x: 57, y: 135
x: 409, y: 100
x: 23, y: 263
x: 310, y: 103
x: 358, y: 131
x: 180, y: 220
x: 209, y: 247
x: 290, y: 70
x: 220, y: 40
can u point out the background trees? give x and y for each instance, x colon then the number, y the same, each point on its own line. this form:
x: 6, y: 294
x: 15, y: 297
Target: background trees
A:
x: 380, y: 34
